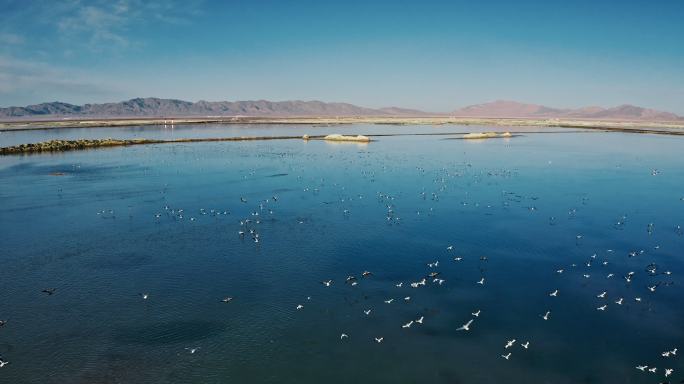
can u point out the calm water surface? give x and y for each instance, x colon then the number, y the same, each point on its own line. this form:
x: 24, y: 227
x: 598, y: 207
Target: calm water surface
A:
x: 103, y: 226
x: 8, y: 138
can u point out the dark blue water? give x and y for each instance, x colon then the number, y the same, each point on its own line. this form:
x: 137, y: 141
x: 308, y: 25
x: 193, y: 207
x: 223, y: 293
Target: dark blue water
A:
x: 103, y: 226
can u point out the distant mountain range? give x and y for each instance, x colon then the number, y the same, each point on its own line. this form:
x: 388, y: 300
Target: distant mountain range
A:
x: 154, y: 107
x: 502, y: 108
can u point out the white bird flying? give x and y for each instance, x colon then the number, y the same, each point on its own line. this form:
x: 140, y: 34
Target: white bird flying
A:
x: 466, y: 326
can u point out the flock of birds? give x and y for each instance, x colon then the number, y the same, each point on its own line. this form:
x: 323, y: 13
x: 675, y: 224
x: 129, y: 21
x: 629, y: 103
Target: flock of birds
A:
x: 591, y: 267
x: 652, y: 277
x: 509, y: 345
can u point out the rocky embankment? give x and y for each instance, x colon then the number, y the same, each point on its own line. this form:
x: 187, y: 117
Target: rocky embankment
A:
x: 68, y: 145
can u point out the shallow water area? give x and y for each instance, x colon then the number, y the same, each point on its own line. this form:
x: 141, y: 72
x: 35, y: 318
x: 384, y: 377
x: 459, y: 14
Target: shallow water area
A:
x: 104, y: 226
x: 197, y: 131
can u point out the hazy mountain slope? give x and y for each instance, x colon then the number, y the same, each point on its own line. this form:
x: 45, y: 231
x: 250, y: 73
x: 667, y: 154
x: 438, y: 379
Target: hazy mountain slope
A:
x: 502, y: 108
x: 155, y: 107
x: 170, y: 107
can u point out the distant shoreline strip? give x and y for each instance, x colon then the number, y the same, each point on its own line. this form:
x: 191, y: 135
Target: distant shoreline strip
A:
x: 338, y: 121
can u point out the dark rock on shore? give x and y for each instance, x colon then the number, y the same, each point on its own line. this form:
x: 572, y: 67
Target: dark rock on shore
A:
x: 67, y: 145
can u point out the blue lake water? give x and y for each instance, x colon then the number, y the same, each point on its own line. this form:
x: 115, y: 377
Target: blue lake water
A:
x: 168, y: 132
x: 103, y: 226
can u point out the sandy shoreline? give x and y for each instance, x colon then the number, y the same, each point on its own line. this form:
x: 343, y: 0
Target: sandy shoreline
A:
x: 637, y: 126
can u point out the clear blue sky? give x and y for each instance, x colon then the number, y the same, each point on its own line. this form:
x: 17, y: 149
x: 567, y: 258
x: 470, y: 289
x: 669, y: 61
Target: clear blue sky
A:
x: 432, y: 55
